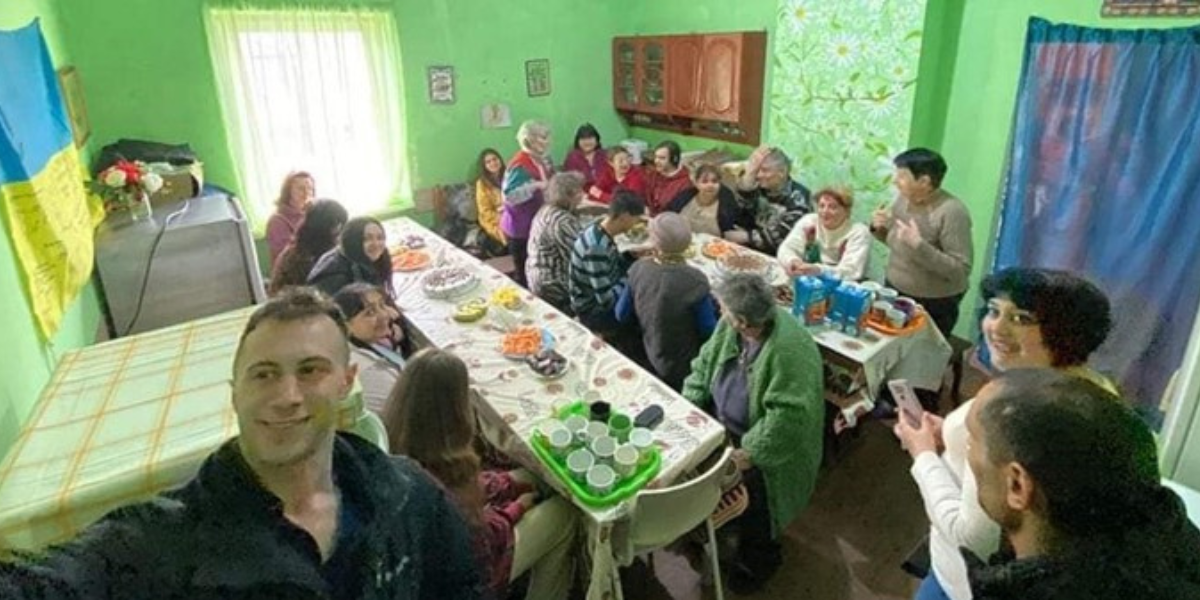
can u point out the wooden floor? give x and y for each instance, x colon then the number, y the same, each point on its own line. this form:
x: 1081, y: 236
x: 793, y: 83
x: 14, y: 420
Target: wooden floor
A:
x: 864, y: 519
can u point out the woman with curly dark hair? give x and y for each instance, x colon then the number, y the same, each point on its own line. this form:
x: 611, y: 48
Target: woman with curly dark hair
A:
x: 318, y: 232
x: 1036, y: 318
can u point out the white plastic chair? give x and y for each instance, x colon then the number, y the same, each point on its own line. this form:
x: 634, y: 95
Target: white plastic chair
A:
x: 661, y: 516
x: 370, y: 427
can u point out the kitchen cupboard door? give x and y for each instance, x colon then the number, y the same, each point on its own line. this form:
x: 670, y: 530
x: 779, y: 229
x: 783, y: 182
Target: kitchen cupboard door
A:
x: 721, y: 81
x: 684, y: 74
x: 652, y: 82
x: 626, y: 93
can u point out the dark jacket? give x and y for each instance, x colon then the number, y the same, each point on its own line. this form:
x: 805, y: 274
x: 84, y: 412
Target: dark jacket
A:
x: 224, y: 536
x: 730, y: 212
x: 1159, y: 560
x: 335, y: 271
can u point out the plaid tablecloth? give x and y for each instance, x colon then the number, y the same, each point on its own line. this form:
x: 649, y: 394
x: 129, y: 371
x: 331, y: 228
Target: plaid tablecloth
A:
x: 121, y: 421
x: 512, y: 399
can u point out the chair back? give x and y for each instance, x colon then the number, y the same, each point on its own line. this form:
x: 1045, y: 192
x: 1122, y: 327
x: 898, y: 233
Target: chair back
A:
x: 663, y: 515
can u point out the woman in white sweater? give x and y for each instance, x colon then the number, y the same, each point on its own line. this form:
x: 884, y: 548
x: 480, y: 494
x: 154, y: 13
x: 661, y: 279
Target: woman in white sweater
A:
x: 1036, y: 318
x: 827, y: 241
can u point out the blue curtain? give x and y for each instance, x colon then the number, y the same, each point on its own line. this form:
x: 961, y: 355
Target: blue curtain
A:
x: 1104, y: 179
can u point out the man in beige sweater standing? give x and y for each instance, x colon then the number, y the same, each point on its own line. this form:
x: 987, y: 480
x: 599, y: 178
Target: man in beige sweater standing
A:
x: 928, y: 233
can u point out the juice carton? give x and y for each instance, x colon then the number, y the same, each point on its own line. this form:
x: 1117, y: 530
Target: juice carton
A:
x: 810, y: 301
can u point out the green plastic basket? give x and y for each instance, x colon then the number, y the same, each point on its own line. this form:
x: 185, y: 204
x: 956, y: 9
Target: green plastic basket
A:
x: 627, y: 487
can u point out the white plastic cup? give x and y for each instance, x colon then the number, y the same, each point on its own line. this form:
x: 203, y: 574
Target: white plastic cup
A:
x: 600, y: 479
x: 625, y: 460
x: 888, y: 294
x: 595, y: 429
x: 577, y: 425
x: 896, y: 318
x: 642, y: 439
x: 579, y: 462
x: 549, y: 426
x: 603, y: 448
x: 560, y: 441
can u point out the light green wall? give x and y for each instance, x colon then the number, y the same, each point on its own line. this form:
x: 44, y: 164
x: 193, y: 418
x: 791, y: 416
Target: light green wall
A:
x: 28, y: 361
x: 978, y: 114
x: 159, y: 84
x: 698, y: 16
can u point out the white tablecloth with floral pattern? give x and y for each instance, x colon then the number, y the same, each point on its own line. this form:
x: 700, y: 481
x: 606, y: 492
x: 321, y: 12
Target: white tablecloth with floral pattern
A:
x: 512, y: 399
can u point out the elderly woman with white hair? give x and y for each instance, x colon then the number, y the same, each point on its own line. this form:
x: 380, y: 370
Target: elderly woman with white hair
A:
x: 760, y: 376
x: 670, y: 300
x: 551, y: 238
x: 524, y: 181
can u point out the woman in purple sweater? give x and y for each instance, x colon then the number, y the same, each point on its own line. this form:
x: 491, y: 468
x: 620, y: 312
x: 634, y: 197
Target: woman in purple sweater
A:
x: 524, y: 180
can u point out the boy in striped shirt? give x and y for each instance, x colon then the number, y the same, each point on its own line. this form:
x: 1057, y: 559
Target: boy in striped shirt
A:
x: 597, y: 272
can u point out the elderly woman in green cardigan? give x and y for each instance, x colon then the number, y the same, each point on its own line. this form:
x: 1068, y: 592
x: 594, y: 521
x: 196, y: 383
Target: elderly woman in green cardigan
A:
x: 760, y: 376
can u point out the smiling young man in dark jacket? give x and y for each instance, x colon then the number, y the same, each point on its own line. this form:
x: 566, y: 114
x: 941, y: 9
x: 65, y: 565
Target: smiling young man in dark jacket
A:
x: 289, y: 509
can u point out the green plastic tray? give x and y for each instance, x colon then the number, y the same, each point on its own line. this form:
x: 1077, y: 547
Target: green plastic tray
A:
x: 626, y: 488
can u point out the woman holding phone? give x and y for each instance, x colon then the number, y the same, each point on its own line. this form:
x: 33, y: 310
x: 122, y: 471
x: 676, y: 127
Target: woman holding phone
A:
x: 1036, y: 318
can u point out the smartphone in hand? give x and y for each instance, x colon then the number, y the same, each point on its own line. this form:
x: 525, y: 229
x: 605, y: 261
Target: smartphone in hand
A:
x: 906, y: 401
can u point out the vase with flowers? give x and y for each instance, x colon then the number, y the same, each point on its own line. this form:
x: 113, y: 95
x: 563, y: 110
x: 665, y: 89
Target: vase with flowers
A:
x: 127, y: 186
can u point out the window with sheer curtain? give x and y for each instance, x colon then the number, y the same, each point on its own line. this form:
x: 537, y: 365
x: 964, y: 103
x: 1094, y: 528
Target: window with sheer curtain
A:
x: 314, y: 90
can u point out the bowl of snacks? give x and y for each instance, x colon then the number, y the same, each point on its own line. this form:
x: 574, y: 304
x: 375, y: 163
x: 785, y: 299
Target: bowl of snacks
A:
x: 715, y: 249
x: 548, y: 364
x: 521, y: 343
x: 508, y: 296
x: 410, y: 260
x: 471, y: 310
x: 744, y: 263
x: 638, y: 233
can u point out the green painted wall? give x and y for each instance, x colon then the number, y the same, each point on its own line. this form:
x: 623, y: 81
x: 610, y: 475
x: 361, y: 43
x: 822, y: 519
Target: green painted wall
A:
x: 158, y: 82
x: 979, y: 110
x: 28, y: 361
x: 699, y: 16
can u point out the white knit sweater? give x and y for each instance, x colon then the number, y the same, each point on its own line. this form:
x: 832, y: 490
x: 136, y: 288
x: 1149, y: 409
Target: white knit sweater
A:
x: 844, y: 251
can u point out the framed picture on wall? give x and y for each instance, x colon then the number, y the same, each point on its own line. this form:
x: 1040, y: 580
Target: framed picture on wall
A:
x: 72, y: 91
x: 1150, y: 8
x: 441, y: 84
x: 537, y: 77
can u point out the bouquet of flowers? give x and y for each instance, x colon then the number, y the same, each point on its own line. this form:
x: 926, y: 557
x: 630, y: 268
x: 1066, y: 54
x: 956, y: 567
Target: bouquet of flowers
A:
x: 126, y: 185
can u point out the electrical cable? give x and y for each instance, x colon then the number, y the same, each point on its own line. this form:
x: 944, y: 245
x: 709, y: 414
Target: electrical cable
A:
x: 137, y: 311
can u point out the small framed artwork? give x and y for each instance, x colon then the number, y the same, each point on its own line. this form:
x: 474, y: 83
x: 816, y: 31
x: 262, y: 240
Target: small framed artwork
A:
x: 72, y: 91
x: 495, y: 116
x: 1150, y: 8
x: 537, y: 77
x: 441, y: 85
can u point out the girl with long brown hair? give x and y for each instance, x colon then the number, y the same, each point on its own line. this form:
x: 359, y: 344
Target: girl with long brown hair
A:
x: 430, y: 419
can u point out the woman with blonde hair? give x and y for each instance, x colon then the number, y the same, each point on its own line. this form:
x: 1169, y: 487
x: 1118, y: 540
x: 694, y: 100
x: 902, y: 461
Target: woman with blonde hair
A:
x: 297, y: 191
x: 827, y: 240
x: 524, y: 181
x: 429, y: 419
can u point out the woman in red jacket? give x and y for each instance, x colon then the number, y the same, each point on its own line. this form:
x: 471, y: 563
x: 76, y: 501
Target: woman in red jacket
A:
x: 622, y: 175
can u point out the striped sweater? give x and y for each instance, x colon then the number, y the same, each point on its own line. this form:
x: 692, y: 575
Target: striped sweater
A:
x: 522, y: 194
x: 597, y: 272
x: 548, y: 267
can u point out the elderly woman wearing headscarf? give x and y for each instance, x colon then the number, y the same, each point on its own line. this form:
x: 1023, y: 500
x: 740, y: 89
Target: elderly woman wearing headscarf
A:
x: 670, y: 300
x: 760, y: 376
x: 524, y: 181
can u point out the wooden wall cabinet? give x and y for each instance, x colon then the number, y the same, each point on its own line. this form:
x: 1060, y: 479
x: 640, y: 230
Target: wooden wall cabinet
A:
x: 700, y: 84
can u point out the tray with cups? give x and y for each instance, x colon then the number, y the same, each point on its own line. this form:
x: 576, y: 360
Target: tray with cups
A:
x: 601, y: 461
x: 895, y: 316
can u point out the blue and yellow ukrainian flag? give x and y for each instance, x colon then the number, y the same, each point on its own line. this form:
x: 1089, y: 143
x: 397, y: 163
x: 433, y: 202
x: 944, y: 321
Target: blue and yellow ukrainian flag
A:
x: 45, y: 205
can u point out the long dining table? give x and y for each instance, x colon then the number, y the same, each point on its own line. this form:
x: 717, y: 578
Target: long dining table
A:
x: 511, y: 399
